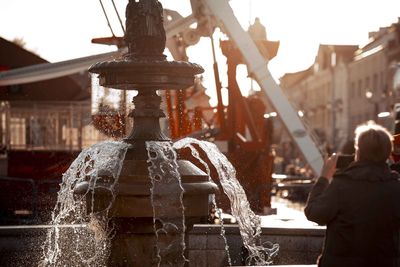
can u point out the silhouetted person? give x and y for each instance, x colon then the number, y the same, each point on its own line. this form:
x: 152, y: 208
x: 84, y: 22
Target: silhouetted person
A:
x: 360, y: 205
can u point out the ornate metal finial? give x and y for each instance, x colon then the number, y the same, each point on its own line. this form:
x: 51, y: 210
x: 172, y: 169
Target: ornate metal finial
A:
x: 145, y: 34
x: 145, y: 66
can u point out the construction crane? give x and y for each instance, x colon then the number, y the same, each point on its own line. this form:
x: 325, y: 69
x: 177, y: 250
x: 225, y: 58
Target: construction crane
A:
x: 208, y: 14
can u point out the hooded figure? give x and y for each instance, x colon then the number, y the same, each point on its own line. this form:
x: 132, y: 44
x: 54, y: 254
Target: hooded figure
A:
x: 360, y: 205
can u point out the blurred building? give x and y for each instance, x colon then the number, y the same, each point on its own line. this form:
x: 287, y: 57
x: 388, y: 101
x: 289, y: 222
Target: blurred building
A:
x: 347, y: 85
x: 52, y: 114
x: 319, y: 92
x: 371, y: 77
x: 43, y: 126
x: 393, y: 54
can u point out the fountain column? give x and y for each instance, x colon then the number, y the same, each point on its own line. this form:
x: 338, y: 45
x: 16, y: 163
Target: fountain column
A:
x: 145, y: 69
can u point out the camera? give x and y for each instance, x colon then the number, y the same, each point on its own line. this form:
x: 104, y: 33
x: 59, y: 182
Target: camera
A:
x: 344, y: 161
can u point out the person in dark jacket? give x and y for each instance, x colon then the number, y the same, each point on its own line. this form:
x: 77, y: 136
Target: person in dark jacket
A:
x: 360, y: 205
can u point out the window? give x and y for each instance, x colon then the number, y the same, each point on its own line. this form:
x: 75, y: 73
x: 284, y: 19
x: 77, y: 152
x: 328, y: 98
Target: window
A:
x: 352, y: 90
x: 375, y: 83
x: 359, y: 92
x: 367, y: 85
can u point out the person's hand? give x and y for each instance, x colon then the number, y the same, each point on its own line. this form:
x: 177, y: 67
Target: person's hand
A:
x: 329, y: 167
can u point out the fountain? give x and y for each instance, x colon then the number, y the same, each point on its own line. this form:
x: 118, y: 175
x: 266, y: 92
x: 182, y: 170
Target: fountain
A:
x: 136, y: 199
x: 141, y: 203
x: 131, y: 202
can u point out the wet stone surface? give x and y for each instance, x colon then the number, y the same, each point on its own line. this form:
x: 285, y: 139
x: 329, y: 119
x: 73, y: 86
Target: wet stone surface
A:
x: 297, y: 245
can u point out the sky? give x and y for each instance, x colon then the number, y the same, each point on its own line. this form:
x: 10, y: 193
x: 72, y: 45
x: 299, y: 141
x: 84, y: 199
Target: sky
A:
x: 60, y: 30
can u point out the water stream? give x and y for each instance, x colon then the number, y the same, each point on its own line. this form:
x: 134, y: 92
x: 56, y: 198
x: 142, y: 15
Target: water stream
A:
x: 249, y: 223
x: 196, y: 155
x: 167, y: 202
x: 87, y: 245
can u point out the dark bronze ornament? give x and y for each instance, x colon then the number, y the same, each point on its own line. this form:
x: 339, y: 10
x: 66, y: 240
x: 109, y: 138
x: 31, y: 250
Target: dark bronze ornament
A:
x: 145, y: 34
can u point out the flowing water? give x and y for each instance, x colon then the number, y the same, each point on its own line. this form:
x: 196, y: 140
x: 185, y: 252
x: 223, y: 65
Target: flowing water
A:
x: 167, y: 202
x: 87, y: 245
x: 249, y: 223
x: 196, y: 155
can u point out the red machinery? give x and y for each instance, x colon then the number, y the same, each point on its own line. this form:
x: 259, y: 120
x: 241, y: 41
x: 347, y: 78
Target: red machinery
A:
x: 240, y: 127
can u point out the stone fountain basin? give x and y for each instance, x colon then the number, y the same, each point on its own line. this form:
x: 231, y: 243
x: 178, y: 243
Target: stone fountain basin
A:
x: 21, y: 245
x: 298, y: 245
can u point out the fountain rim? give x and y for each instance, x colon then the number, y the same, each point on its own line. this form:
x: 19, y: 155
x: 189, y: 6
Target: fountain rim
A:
x: 134, y: 74
x: 146, y: 66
